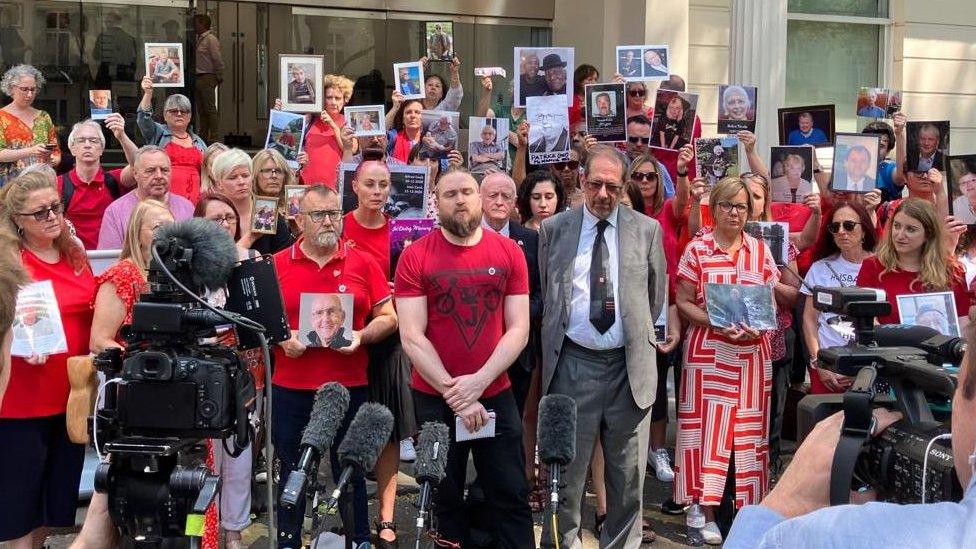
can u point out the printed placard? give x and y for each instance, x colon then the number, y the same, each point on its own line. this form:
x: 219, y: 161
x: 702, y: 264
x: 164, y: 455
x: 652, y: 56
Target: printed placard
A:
x: 325, y: 320
x: 37, y: 326
x: 408, y: 191
x: 606, y: 112
x: 548, y: 129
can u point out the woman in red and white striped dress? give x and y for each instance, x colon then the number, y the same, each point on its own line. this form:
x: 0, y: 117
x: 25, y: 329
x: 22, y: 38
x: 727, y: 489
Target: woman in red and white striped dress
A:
x: 726, y: 379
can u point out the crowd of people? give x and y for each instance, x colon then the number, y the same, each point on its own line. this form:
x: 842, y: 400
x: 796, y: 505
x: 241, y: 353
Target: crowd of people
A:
x: 545, y: 280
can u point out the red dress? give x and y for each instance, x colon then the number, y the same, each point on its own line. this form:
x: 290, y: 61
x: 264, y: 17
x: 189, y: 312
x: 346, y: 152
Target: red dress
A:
x: 723, y: 401
x: 185, y: 177
x: 324, y: 153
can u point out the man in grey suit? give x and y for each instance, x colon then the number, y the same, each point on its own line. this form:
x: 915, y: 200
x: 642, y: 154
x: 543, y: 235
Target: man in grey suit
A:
x: 603, y: 277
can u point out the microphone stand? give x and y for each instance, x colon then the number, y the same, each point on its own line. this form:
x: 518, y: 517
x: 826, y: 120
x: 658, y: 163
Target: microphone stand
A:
x: 554, y: 470
x: 423, y: 515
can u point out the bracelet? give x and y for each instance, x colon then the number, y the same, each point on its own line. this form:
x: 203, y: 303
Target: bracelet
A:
x: 682, y: 174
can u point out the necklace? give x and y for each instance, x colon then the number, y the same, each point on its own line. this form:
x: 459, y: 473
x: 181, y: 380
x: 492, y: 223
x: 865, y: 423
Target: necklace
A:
x: 184, y: 136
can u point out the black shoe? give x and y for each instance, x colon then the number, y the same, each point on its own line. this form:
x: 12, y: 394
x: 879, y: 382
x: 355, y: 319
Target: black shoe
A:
x: 382, y: 543
x: 670, y: 507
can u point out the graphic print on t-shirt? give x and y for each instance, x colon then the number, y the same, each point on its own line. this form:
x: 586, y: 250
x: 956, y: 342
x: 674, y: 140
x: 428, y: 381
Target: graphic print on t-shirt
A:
x: 469, y: 297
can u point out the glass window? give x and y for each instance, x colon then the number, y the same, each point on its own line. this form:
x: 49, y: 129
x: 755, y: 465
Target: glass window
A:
x: 860, y: 8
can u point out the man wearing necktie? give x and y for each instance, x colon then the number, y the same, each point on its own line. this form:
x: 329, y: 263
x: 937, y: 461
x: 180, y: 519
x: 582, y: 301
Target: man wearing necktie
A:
x: 603, y: 278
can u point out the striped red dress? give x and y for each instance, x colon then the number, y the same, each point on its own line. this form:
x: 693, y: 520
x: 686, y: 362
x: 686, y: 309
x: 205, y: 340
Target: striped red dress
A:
x: 723, y: 402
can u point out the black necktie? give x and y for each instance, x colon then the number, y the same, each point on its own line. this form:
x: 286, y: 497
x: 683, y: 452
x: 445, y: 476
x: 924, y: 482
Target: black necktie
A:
x: 601, y: 293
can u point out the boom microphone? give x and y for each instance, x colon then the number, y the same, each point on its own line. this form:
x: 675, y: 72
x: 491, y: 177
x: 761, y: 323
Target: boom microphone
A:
x: 557, y: 438
x: 367, y: 435
x: 331, y: 404
x: 432, y: 446
x: 201, y: 247
x: 948, y: 348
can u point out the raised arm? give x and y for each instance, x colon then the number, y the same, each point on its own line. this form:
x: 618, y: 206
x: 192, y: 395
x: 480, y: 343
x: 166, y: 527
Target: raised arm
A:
x: 484, y: 100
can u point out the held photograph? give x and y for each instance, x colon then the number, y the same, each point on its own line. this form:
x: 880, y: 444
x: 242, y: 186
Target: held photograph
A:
x: 300, y: 78
x: 927, y: 145
x: 961, y: 183
x: 643, y: 62
x: 544, y: 72
x: 606, y: 113
x: 855, y: 168
x: 293, y: 198
x: 439, y: 40
x: 674, y: 119
x: 791, y: 169
x: 100, y: 103
x: 873, y: 102
x: 325, y: 320
x: 740, y: 305
x: 366, y: 120
x: 440, y: 132
x: 286, y: 133
x: 37, y: 328
x: 487, y: 144
x: 716, y: 157
x: 548, y: 129
x: 409, y: 79
x: 165, y: 64
x: 736, y: 109
x: 813, y: 125
x: 265, y: 217
x: 935, y: 310
x: 776, y: 234
x: 408, y: 191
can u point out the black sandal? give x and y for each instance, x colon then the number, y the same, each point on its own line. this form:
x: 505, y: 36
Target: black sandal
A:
x: 598, y: 521
x: 382, y: 543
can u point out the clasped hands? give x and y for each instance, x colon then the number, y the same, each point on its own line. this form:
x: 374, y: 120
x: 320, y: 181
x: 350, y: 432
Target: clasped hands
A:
x: 462, y: 396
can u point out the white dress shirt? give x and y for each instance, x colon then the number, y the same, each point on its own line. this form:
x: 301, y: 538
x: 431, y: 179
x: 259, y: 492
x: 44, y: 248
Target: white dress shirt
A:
x: 503, y: 231
x: 581, y: 330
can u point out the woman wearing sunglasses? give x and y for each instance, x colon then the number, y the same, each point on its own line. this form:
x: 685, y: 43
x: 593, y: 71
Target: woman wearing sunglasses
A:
x: 636, y: 99
x: 568, y: 174
x: 185, y: 148
x: 850, y: 240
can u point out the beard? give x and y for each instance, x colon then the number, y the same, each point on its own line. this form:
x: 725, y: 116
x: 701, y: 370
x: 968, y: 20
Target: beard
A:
x: 458, y: 228
x: 327, y: 239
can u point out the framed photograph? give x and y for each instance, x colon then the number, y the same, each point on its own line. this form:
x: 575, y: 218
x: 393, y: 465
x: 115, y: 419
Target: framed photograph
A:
x: 300, y: 82
x: 736, y: 108
x: 606, y: 112
x: 293, y: 196
x: 543, y: 72
x: 872, y: 102
x: 325, y: 320
x: 791, y: 169
x: 366, y: 120
x: 286, y: 133
x: 927, y: 145
x: 14, y: 12
x: 409, y: 186
x: 716, y: 157
x: 674, y: 119
x: 855, y: 168
x: 548, y: 129
x: 100, y: 103
x: 962, y: 187
x: 440, y: 131
x: 776, y: 234
x: 265, y: 215
x: 403, y: 233
x: 812, y: 125
x: 740, y: 305
x: 935, y: 310
x: 409, y: 79
x: 164, y: 64
x: 439, y: 40
x: 487, y: 144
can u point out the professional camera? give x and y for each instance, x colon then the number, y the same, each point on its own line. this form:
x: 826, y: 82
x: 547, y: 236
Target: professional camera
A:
x: 166, y: 390
x: 899, y: 367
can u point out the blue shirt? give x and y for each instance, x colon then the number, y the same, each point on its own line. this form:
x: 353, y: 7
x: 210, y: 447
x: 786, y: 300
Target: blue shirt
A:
x: 928, y: 526
x: 816, y: 137
x: 886, y: 180
x: 666, y: 180
x: 873, y: 111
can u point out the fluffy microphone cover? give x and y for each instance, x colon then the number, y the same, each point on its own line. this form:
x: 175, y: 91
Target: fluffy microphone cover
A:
x: 429, y: 467
x: 331, y: 404
x: 557, y: 429
x: 214, y: 252
x: 369, y: 431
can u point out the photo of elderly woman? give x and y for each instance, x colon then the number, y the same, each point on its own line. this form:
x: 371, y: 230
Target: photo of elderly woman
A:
x: 736, y: 108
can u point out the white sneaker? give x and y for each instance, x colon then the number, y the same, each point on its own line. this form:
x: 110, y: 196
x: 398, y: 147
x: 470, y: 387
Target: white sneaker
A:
x: 711, y: 533
x: 661, y: 463
x: 407, y: 451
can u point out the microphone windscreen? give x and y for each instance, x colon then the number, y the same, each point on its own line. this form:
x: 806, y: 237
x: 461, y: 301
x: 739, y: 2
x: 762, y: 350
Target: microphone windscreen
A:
x: 328, y: 410
x: 214, y: 252
x: 902, y: 335
x: 432, y: 446
x: 368, y: 432
x: 557, y: 429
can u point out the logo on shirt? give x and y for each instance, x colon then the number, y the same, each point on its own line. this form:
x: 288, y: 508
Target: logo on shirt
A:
x: 469, y: 298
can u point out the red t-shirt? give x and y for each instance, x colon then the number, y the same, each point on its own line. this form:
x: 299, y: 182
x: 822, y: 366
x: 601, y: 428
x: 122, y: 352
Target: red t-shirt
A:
x: 797, y: 215
x: 324, y: 153
x: 465, y: 287
x: 41, y: 391
x: 375, y: 242
x: 349, y: 272
x: 898, y: 282
x: 88, y: 203
x: 671, y: 226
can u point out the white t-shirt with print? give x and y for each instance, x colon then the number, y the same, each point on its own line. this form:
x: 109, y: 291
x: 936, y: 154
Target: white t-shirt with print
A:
x: 834, y: 330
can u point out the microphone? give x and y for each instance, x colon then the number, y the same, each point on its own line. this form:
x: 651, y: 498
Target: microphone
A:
x: 368, y: 433
x: 927, y: 339
x: 556, y: 438
x: 331, y: 404
x: 197, y: 251
x: 432, y: 446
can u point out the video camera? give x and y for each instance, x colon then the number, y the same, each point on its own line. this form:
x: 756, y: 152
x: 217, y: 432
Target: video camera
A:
x: 907, y: 463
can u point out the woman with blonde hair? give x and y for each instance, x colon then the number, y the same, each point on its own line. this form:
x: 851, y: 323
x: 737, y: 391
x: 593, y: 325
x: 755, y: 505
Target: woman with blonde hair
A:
x: 271, y: 176
x: 790, y: 185
x: 206, y: 171
x: 913, y: 258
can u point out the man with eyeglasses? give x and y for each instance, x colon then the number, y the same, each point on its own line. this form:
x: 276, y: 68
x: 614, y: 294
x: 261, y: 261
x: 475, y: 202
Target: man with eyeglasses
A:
x: 604, y: 279
x: 320, y: 262
x: 151, y: 169
x: 88, y: 190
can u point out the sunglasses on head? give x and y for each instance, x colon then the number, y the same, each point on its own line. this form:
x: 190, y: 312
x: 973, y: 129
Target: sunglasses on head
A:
x: 835, y: 226
x: 642, y: 140
x: 572, y: 165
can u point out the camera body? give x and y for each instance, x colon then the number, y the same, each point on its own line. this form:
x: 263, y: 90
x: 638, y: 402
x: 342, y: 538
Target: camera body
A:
x: 910, y: 368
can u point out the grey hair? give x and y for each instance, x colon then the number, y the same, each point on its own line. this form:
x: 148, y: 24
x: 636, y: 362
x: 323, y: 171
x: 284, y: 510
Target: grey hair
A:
x: 41, y: 168
x: 611, y: 153
x: 82, y: 124
x: 731, y: 90
x: 228, y: 161
x: 177, y: 101
x: 147, y: 149
x: 15, y: 73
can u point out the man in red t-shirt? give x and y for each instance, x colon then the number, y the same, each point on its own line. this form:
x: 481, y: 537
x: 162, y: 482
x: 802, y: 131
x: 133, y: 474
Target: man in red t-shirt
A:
x: 463, y: 300
x: 320, y: 263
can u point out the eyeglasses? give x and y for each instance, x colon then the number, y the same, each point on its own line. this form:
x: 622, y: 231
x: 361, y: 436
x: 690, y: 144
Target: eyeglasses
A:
x: 642, y: 140
x: 612, y: 188
x: 727, y: 207
x: 44, y: 213
x: 272, y: 171
x: 317, y: 216
x: 636, y: 93
x: 560, y: 166
x: 92, y: 140
x: 228, y: 219
x: 835, y: 226
x: 644, y: 176
x: 175, y: 112
x: 25, y: 89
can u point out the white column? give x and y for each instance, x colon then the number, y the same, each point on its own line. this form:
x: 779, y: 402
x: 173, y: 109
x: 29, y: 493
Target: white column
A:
x: 757, y: 57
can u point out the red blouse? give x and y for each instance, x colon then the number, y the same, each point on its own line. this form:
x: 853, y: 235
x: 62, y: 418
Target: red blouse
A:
x: 129, y: 285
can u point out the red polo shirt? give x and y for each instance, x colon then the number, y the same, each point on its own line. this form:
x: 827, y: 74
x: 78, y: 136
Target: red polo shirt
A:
x: 375, y: 242
x: 349, y: 272
x: 88, y: 203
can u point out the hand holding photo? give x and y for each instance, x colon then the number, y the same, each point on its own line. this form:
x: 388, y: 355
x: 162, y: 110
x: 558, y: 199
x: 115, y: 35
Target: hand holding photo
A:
x: 740, y: 305
x: 792, y: 171
x: 490, y: 71
x: 962, y: 187
x: 301, y: 82
x: 164, y: 64
x: 927, y: 145
x: 325, y: 320
x: 409, y: 79
x: 674, y: 119
x: 37, y: 327
x: 855, y: 163
x: 264, y: 216
x: 605, y: 112
x: 776, y: 235
x: 439, y: 40
x: 488, y: 144
x: 439, y: 133
x: 716, y: 157
x: 293, y: 198
x: 543, y: 72
x: 935, y: 310
x: 548, y: 129
x: 736, y: 109
x: 100, y: 103
x: 286, y: 134
x: 366, y: 120
x: 812, y: 125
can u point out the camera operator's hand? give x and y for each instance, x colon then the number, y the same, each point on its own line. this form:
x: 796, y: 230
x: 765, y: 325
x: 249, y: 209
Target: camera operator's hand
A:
x: 835, y: 382
x: 292, y: 347
x: 805, y: 486
x: 98, y: 531
x: 355, y: 338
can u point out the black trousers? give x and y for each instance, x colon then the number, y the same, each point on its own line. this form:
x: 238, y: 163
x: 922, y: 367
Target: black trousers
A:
x: 500, y: 465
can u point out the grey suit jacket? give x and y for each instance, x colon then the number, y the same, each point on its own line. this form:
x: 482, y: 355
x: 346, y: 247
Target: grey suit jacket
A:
x: 641, y: 287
